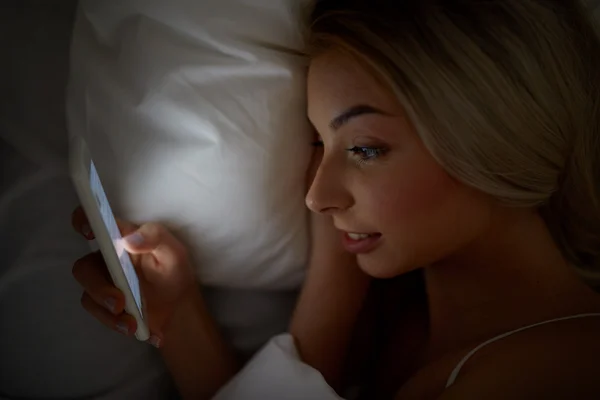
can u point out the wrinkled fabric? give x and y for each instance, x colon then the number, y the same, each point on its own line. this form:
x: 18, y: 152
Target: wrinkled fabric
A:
x: 276, y: 372
x: 194, y: 112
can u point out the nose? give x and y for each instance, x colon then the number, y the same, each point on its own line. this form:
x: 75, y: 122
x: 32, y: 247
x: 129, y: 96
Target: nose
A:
x: 328, y: 194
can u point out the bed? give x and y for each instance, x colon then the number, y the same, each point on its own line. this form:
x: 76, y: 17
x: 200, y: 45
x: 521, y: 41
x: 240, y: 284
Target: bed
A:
x: 49, y: 347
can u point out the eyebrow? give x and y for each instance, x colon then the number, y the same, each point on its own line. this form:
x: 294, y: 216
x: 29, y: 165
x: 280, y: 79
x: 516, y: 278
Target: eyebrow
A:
x: 353, y: 112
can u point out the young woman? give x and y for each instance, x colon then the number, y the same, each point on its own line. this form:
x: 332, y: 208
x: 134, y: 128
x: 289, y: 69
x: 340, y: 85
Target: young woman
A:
x: 461, y: 139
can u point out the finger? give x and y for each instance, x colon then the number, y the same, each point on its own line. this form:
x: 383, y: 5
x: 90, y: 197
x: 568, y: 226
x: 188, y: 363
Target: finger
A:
x: 155, y: 340
x: 122, y: 323
x: 155, y: 239
x: 162, y: 258
x: 81, y: 224
x: 92, y: 274
x: 126, y: 227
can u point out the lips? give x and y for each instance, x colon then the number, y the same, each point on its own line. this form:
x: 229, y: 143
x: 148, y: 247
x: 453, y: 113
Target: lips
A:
x: 360, y: 243
x: 358, y: 236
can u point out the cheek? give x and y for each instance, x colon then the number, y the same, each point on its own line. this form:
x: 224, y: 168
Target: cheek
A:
x: 421, y: 213
x: 414, y: 192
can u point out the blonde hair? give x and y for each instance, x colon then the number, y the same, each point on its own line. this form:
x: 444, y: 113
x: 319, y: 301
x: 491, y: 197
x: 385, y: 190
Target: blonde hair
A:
x: 504, y: 94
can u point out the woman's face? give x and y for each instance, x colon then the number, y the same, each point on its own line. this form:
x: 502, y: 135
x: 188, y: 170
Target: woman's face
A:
x: 398, y: 209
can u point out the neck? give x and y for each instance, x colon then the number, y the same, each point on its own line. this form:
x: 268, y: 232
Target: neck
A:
x: 512, y: 276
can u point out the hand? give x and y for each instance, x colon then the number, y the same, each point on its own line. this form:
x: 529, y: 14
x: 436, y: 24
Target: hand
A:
x: 164, y: 271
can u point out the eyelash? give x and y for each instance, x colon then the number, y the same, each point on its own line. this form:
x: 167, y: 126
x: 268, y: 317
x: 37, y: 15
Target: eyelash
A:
x: 364, y: 153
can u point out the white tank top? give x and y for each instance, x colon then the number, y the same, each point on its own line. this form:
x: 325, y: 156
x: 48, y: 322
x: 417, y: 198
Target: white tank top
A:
x: 462, y: 362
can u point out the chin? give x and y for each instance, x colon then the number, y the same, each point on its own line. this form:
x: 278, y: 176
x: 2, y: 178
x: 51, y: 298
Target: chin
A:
x: 378, y: 266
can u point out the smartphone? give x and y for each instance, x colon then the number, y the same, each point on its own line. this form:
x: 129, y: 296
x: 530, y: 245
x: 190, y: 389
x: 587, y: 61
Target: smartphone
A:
x: 108, y: 236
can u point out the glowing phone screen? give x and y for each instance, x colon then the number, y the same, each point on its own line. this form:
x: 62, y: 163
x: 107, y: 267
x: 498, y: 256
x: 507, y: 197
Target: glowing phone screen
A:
x: 115, y: 235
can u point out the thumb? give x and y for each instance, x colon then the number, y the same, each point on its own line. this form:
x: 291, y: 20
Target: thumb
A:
x: 155, y: 240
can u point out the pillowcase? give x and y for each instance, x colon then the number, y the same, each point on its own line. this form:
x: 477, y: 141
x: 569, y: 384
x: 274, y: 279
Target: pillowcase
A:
x: 194, y: 112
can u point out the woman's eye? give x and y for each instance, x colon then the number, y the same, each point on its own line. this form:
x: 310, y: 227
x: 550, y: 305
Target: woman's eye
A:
x: 366, y: 153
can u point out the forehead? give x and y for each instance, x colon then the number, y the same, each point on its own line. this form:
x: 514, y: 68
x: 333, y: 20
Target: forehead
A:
x: 336, y: 82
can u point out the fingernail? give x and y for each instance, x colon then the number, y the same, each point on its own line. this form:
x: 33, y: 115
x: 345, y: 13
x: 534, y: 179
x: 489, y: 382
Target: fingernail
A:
x: 110, y: 304
x: 123, y: 328
x: 135, y: 239
x: 86, y: 231
x: 154, y: 341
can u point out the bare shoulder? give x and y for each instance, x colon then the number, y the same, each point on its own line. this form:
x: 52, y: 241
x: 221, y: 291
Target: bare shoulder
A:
x: 559, y: 360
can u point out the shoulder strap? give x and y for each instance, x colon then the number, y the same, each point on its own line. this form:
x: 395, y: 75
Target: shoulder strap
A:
x: 462, y: 362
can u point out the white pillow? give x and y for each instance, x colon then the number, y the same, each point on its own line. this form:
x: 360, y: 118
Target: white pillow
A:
x: 195, y: 115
